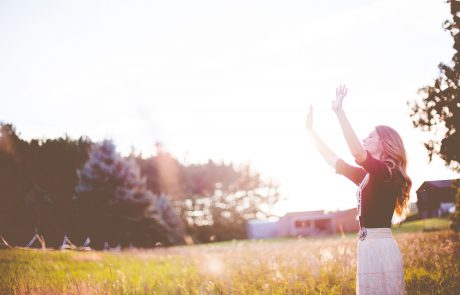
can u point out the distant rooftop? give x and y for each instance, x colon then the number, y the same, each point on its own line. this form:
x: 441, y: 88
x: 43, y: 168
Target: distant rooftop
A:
x: 438, y: 184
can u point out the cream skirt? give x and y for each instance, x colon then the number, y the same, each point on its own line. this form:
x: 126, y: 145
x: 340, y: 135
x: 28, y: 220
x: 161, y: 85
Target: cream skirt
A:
x: 380, y: 268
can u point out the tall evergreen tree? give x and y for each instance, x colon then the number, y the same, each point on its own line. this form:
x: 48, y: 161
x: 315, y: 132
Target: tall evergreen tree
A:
x: 52, y: 166
x: 171, y: 219
x: 114, y: 204
x: 37, y: 182
x: 18, y: 219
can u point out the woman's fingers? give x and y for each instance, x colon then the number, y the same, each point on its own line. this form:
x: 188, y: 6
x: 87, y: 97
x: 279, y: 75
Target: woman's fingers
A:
x: 341, y: 91
x: 344, y: 90
x: 309, y: 123
x: 338, y: 91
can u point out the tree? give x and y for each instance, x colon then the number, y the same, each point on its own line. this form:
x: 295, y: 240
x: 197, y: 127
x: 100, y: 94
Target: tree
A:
x: 37, y: 182
x: 52, y: 166
x: 17, y: 219
x: 171, y: 219
x: 439, y: 111
x: 114, y: 203
x: 221, y: 199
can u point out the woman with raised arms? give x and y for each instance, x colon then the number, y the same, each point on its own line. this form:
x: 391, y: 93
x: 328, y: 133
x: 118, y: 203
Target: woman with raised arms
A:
x: 383, y: 189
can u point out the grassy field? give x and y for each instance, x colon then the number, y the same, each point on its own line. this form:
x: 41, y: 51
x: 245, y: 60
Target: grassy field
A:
x: 290, y: 266
x: 426, y: 225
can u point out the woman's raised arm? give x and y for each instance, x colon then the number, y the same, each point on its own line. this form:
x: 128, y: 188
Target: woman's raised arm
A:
x: 355, y: 146
x: 328, y: 155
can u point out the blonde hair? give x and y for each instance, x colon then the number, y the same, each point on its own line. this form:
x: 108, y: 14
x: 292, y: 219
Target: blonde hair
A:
x: 395, y: 154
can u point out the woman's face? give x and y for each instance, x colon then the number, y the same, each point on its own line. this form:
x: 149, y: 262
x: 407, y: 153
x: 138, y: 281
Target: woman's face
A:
x: 372, y: 144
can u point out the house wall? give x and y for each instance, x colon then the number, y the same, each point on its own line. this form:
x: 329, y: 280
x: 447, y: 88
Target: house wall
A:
x: 262, y: 230
x: 347, y: 221
x: 431, y: 195
x: 307, y: 225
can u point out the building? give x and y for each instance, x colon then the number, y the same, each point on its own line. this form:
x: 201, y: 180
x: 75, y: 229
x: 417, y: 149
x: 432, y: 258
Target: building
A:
x: 310, y: 223
x: 435, y: 198
x: 262, y: 229
x: 304, y: 224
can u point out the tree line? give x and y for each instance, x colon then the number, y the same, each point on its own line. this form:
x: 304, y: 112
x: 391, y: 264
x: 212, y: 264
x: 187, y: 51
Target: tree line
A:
x: 84, y: 189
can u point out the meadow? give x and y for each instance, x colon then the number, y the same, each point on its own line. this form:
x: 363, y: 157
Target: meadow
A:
x: 323, y: 265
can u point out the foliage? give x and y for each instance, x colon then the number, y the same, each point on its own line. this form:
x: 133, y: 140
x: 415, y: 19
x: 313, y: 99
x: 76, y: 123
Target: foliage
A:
x: 37, y: 181
x: 214, y: 200
x: 113, y: 199
x: 222, y: 198
x: 172, y: 222
x: 121, y: 200
x: 439, y: 111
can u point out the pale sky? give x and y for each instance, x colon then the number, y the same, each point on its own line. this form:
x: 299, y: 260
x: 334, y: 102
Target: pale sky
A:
x: 226, y: 80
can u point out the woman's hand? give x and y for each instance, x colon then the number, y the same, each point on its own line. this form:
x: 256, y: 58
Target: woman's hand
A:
x: 323, y: 149
x: 309, y: 122
x: 340, y: 93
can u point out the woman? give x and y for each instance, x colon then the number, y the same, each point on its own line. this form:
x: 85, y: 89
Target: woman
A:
x: 383, y: 188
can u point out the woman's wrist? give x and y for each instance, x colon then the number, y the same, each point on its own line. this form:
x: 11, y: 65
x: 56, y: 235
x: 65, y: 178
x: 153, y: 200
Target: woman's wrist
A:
x: 340, y: 112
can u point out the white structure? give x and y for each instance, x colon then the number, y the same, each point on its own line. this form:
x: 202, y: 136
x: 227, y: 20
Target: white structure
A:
x: 262, y: 229
x: 311, y: 223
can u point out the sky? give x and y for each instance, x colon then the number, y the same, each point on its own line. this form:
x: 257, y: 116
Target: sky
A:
x: 225, y: 80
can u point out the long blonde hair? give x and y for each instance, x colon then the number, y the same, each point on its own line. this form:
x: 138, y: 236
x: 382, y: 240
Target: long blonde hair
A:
x: 395, y: 154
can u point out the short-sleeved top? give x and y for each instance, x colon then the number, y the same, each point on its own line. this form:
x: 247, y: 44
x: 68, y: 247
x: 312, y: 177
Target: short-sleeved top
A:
x: 379, y: 186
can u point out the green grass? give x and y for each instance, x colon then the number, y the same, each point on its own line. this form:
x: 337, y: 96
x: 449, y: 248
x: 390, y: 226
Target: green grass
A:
x: 36, y: 271
x: 287, y: 266
x: 432, y: 224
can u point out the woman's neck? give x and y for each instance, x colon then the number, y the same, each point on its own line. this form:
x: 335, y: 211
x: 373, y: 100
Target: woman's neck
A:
x: 377, y: 155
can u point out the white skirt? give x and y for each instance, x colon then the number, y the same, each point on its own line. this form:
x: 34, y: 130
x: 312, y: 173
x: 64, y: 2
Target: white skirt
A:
x: 380, y: 268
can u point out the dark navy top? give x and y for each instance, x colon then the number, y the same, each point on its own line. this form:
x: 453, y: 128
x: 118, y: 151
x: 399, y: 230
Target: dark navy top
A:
x: 379, y: 186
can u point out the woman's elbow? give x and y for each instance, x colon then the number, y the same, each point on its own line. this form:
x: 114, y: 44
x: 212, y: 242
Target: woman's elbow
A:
x: 332, y: 162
